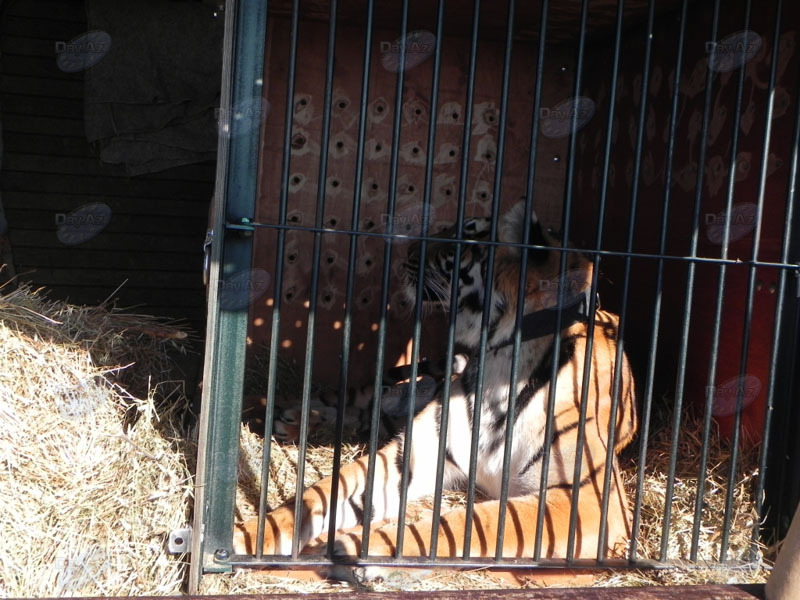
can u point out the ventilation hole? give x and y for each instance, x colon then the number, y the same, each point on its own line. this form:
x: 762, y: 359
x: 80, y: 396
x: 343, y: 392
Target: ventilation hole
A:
x: 455, y: 116
x: 448, y: 192
x: 452, y: 152
x: 418, y: 112
x: 289, y: 295
x: 379, y: 108
x: 335, y: 183
x: 298, y: 141
x: 294, y: 219
x: 415, y: 150
x: 365, y: 300
x: 292, y: 257
x: 484, y: 195
x: 368, y: 262
x: 332, y: 221
x: 378, y: 147
x: 411, y: 188
x: 342, y: 104
x: 329, y: 260
x: 340, y: 144
x: 303, y: 101
x: 327, y: 297
x: 488, y: 156
x: 490, y: 118
x: 374, y: 186
x: 370, y: 224
x: 295, y: 180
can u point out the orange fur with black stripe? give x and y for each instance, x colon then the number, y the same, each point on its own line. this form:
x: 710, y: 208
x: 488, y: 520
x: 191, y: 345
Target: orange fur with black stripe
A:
x: 531, y: 394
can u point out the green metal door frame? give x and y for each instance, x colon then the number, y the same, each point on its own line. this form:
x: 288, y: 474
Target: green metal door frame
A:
x: 243, y: 109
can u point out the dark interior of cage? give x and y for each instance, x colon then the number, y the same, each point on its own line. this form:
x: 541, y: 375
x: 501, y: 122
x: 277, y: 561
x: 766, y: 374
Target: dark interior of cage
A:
x: 650, y: 180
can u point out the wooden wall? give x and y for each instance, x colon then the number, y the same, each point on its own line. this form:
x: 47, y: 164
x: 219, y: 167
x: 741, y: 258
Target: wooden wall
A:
x: 154, y: 236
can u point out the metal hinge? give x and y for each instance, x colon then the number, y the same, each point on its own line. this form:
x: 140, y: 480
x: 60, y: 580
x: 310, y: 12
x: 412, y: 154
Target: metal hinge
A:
x: 207, y: 255
x: 180, y: 541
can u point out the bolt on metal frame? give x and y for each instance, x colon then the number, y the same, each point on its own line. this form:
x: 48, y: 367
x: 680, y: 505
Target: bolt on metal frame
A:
x: 246, y: 22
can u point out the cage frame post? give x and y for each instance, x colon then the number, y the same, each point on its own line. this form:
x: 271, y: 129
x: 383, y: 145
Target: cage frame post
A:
x: 234, y: 208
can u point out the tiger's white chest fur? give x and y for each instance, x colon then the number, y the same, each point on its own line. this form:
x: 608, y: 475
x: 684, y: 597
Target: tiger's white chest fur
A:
x: 528, y: 422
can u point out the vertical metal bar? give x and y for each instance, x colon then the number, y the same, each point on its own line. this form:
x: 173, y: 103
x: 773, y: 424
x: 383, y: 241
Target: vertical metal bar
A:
x: 566, y: 222
x: 451, y: 331
x: 766, y: 445
x: 212, y: 502
x: 662, y: 245
x: 231, y: 255
x: 487, y: 302
x: 523, y: 270
x: 751, y: 283
x: 593, y: 300
x: 720, y: 292
x: 313, y: 292
x: 272, y: 368
x: 351, y: 270
x: 423, y: 246
x: 387, y: 260
x: 615, y: 392
x: 687, y: 308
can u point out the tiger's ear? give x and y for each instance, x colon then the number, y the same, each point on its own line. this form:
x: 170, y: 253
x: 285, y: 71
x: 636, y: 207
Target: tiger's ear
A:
x: 512, y: 227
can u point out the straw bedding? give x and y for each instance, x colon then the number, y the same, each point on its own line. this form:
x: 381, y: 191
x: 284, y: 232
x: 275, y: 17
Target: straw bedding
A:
x: 93, y: 476
x: 86, y: 503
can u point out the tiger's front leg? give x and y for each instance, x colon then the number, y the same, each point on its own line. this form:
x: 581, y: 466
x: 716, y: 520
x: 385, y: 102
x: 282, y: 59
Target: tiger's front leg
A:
x: 352, y: 487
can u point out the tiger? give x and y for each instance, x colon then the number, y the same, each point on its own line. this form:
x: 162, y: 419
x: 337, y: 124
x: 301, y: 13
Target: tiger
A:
x: 529, y: 443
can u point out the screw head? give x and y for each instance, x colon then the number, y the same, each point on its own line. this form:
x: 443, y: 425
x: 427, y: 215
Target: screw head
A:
x: 222, y: 554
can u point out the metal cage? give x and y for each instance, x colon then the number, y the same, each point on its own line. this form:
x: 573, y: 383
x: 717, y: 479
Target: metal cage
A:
x: 604, y: 45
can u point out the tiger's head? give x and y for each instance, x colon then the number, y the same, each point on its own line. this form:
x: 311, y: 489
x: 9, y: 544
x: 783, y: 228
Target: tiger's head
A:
x: 542, y: 281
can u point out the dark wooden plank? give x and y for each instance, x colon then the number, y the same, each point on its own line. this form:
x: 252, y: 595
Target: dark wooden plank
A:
x: 21, y: 148
x: 79, y: 184
x: 141, y: 259
x: 56, y: 10
x: 88, y: 276
x: 44, y: 86
x: 128, y: 296
x: 20, y: 104
x: 43, y: 145
x: 35, y: 66
x: 13, y: 46
x: 38, y: 28
x: 158, y: 207
x: 141, y: 223
x: 87, y: 165
x: 42, y: 125
x: 118, y: 241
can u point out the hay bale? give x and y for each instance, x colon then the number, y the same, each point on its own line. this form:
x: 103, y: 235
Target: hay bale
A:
x: 85, y: 505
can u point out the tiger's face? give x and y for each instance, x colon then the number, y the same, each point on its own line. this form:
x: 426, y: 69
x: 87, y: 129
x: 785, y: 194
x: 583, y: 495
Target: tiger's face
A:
x: 542, y: 281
